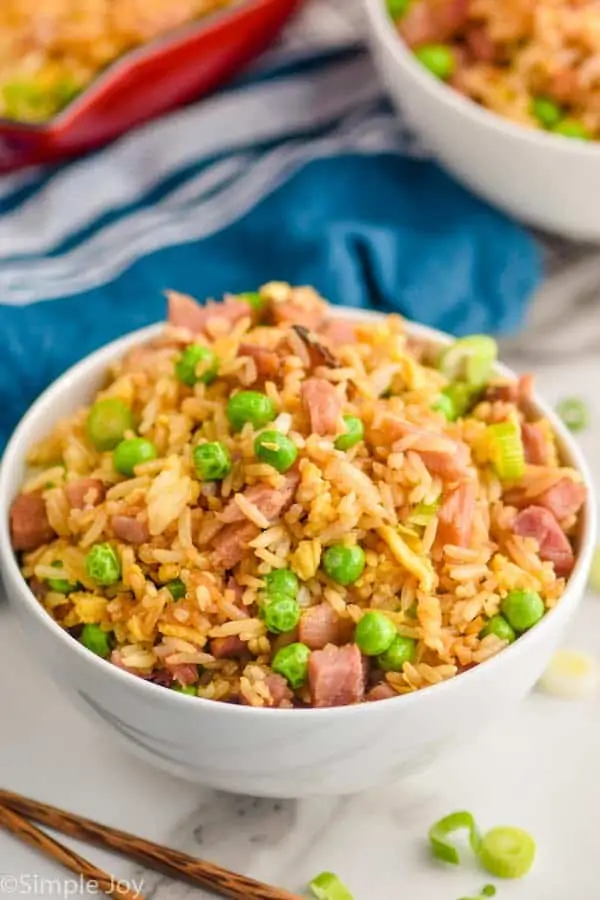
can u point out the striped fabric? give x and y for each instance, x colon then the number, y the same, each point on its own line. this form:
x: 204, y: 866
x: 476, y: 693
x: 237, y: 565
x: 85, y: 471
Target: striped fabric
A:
x: 298, y: 171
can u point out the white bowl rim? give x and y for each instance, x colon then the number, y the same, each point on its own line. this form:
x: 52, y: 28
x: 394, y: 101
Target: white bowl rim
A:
x: 99, y: 361
x: 384, y: 27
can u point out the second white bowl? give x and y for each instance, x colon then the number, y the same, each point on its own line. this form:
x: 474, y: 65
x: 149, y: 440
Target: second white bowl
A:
x: 545, y: 180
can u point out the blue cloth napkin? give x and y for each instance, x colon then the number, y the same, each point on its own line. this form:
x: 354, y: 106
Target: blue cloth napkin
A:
x: 299, y: 172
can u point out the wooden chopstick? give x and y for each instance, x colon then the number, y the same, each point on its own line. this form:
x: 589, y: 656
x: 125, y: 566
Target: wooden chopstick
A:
x: 171, y: 862
x: 37, y: 839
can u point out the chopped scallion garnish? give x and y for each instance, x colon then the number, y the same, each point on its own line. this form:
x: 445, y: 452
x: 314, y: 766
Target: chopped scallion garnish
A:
x: 469, y: 359
x: 328, y: 886
x: 439, y: 833
x: 507, y: 852
x: 506, y: 450
x: 574, y: 413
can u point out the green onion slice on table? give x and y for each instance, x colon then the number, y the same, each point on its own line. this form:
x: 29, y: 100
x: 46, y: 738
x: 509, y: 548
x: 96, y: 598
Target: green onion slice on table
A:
x: 439, y: 834
x: 574, y: 413
x: 507, y: 852
x: 328, y: 886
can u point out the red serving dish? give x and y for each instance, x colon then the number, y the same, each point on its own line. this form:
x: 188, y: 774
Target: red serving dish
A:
x: 148, y: 81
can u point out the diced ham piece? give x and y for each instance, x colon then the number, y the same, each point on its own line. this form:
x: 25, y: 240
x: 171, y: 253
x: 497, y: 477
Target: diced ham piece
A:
x: 29, y: 525
x: 320, y: 625
x: 336, y: 676
x: 323, y: 405
x: 450, y: 466
x: 281, y: 695
x: 272, y: 502
x: 268, y: 363
x: 535, y: 443
x: 340, y: 331
x: 381, y: 691
x: 85, y: 492
x: 456, y: 516
x: 564, y: 85
x: 129, y: 529
x: 231, y: 647
x: 185, y: 312
x: 480, y: 44
x: 184, y: 673
x: 302, y: 307
x: 231, y: 543
x: 433, y: 21
x: 520, y: 391
x: 539, y: 523
x: 564, y: 499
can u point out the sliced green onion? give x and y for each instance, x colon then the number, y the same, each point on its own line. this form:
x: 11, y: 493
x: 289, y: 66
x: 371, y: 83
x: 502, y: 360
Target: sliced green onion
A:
x: 397, y: 8
x: 507, y: 852
x: 595, y: 571
x: 574, y: 413
x: 469, y: 359
x: 444, y: 849
x: 488, y: 890
x: 547, y: 112
x: 328, y: 886
x: 506, y: 450
x: 571, y: 128
x: 422, y: 514
x: 445, y: 405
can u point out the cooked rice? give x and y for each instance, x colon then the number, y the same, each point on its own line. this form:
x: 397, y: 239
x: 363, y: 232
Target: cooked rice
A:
x: 51, y: 49
x: 386, y: 494
x: 510, y: 52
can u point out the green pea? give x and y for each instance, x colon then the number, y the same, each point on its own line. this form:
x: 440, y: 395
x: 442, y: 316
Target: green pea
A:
x: 522, y: 609
x: 571, y: 128
x: 177, y: 589
x: 282, y: 581
x: 281, y: 613
x: 103, y: 565
x: 397, y: 8
x: 196, y: 363
x: 292, y: 663
x: 374, y: 634
x: 401, y: 650
x: 353, y: 435
x: 253, y: 299
x: 62, y: 585
x: 499, y: 626
x: 252, y: 407
x: 131, y: 453
x: 276, y: 450
x: 107, y: 422
x: 438, y: 58
x: 547, y: 112
x: 189, y: 689
x: 96, y: 639
x: 212, y: 461
x: 344, y: 564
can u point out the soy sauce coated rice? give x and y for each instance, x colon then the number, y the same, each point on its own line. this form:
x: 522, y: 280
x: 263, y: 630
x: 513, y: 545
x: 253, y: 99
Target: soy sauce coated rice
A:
x: 444, y: 539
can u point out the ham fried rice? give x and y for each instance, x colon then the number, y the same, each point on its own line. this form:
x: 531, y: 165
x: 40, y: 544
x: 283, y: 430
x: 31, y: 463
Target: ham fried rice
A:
x: 272, y: 506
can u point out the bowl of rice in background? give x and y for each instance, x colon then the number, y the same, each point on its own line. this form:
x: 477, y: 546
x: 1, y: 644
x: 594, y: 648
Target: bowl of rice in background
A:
x: 516, y: 95
x: 166, y: 566
x: 73, y: 78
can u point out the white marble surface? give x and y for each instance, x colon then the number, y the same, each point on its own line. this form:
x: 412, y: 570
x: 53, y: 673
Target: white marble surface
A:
x: 540, y: 769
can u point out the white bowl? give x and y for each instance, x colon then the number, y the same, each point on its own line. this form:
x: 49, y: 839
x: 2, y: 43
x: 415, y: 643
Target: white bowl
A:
x: 545, y: 180
x: 277, y: 753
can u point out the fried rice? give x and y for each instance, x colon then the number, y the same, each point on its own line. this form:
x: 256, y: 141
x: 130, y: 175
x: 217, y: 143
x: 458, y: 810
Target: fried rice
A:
x: 50, y: 50
x: 446, y: 536
x: 536, y: 62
